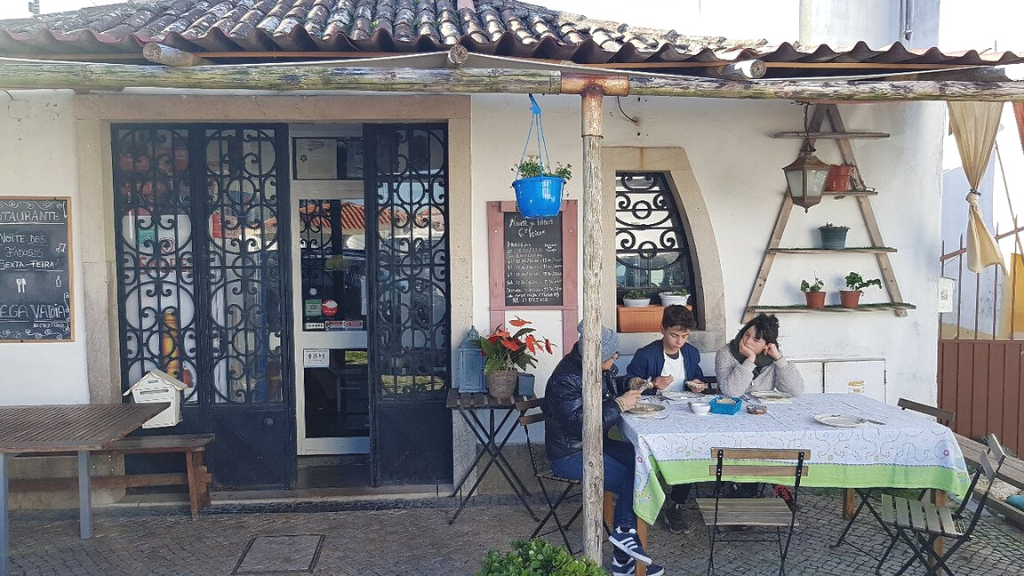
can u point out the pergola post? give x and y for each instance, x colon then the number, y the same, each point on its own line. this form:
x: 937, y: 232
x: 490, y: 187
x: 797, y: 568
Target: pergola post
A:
x: 593, y: 253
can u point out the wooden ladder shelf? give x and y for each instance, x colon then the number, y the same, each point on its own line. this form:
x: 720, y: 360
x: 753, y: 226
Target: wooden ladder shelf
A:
x: 860, y: 193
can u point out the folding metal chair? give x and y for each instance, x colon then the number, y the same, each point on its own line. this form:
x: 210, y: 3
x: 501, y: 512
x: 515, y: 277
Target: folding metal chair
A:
x: 542, y: 471
x: 728, y: 513
x: 944, y: 417
x: 920, y: 524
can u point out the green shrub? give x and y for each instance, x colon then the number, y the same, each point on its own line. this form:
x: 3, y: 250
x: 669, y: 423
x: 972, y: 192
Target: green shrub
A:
x: 537, y: 558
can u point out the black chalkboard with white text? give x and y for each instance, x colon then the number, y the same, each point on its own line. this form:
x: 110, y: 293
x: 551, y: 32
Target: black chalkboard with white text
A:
x: 533, y: 261
x: 35, y: 270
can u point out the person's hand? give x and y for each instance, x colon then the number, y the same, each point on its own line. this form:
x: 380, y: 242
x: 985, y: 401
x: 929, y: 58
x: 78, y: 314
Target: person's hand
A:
x: 697, y: 386
x: 629, y: 400
x: 662, y: 382
x: 773, y: 351
x: 747, y: 351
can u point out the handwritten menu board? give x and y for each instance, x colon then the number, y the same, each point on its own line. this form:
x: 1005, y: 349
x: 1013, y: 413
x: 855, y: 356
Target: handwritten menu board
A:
x: 35, y: 269
x: 533, y: 261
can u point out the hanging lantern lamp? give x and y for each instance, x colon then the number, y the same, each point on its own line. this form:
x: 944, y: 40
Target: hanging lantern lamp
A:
x: 806, y: 176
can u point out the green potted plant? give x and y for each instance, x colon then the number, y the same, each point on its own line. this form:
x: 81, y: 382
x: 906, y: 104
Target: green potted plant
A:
x: 813, y: 293
x: 539, y: 187
x: 673, y: 297
x: 537, y: 557
x: 833, y: 237
x: 636, y: 299
x: 507, y: 353
x: 855, y: 284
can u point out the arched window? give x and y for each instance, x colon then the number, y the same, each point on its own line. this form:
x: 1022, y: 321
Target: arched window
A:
x: 652, y: 253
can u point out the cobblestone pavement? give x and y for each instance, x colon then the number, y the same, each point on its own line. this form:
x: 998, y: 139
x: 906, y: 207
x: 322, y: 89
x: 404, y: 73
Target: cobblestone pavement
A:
x: 413, y: 538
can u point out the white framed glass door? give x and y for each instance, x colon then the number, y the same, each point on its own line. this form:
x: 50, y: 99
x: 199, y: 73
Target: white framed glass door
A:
x: 330, y: 277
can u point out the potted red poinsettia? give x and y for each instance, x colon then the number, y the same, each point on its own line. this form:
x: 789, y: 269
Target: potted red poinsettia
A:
x: 507, y: 353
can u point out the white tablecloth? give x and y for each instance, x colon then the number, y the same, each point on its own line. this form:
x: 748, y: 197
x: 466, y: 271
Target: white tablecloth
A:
x: 908, y: 451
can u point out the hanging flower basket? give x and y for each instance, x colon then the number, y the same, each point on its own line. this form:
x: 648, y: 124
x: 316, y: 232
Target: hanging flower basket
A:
x: 540, y: 196
x: 539, y: 183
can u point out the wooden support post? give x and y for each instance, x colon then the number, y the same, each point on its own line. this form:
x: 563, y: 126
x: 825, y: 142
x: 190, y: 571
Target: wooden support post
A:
x: 593, y: 255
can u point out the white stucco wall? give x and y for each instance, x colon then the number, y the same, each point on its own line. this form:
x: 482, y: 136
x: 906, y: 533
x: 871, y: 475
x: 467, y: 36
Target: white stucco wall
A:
x: 738, y: 167
x: 38, y: 157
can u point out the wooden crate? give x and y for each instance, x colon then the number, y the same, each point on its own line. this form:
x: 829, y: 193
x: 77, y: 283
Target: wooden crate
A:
x: 645, y: 319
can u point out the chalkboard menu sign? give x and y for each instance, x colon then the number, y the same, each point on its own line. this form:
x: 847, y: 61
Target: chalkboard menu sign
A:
x: 35, y: 269
x: 533, y: 261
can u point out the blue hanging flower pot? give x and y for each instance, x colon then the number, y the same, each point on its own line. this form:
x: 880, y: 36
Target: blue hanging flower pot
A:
x: 540, y: 196
x: 538, y: 183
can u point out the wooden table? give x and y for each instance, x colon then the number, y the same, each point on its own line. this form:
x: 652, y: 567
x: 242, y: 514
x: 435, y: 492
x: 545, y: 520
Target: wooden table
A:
x: 488, y: 437
x: 77, y: 428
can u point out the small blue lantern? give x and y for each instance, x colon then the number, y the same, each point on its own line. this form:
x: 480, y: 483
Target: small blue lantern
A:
x: 469, y: 368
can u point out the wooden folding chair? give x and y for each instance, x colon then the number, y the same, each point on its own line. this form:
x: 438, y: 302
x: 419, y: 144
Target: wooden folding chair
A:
x: 731, y: 513
x: 944, y: 417
x: 919, y: 524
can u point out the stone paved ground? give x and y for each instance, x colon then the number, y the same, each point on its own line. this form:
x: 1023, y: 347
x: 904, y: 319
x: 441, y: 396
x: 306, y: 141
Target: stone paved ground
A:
x: 413, y: 538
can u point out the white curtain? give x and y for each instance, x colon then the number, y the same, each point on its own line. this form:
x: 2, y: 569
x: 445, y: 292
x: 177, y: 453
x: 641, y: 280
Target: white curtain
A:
x: 974, y: 126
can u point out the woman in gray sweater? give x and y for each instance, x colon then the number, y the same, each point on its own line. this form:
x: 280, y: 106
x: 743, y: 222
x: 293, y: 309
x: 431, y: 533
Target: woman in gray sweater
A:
x: 752, y: 361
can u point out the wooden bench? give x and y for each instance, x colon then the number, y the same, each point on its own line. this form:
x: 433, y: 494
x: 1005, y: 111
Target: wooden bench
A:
x: 1012, y: 473
x: 196, y: 476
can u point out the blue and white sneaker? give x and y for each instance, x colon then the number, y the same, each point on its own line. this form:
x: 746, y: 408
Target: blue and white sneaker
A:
x: 628, y: 568
x: 630, y: 544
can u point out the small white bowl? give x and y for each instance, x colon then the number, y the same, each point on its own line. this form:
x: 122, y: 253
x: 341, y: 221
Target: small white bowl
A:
x: 700, y: 408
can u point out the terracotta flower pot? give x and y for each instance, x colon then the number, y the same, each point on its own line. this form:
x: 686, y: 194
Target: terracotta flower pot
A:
x: 815, y: 300
x: 501, y: 384
x: 839, y: 178
x: 849, y: 298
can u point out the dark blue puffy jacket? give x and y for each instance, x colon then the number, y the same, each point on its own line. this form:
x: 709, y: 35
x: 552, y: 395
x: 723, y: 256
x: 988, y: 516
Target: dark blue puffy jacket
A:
x: 563, y: 405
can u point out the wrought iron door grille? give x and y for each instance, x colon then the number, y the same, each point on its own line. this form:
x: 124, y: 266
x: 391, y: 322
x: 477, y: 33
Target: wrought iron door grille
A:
x: 155, y: 254
x: 244, y: 279
x: 652, y: 253
x: 223, y: 336
x: 411, y: 328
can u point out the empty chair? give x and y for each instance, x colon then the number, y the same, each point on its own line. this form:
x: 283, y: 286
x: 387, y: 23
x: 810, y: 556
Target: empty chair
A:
x: 919, y: 524
x: 944, y: 417
x: 729, y: 513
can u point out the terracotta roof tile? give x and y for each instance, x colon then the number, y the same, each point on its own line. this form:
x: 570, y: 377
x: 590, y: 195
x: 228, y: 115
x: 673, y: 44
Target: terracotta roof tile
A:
x: 497, y: 27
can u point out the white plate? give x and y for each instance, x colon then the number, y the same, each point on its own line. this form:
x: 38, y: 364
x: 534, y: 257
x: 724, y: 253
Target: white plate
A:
x: 679, y: 395
x: 770, y: 395
x: 840, y: 420
x: 643, y: 409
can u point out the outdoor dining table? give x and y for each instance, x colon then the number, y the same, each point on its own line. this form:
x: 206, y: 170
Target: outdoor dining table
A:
x: 895, y: 449
x: 77, y: 428
x: 492, y: 438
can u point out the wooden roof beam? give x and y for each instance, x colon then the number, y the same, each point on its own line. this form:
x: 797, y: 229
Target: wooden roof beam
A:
x: 29, y: 75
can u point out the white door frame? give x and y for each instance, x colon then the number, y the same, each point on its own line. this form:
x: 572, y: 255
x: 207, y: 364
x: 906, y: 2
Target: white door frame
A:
x: 327, y: 190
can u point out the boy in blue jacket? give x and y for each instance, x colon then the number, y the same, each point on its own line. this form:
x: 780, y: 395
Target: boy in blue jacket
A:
x: 671, y: 364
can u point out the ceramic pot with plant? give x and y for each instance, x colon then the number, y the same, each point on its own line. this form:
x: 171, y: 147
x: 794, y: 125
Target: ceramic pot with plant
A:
x: 539, y: 187
x: 507, y: 353
x: 813, y: 293
x: 833, y: 237
x: 855, y: 284
x: 636, y: 299
x: 674, y: 297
